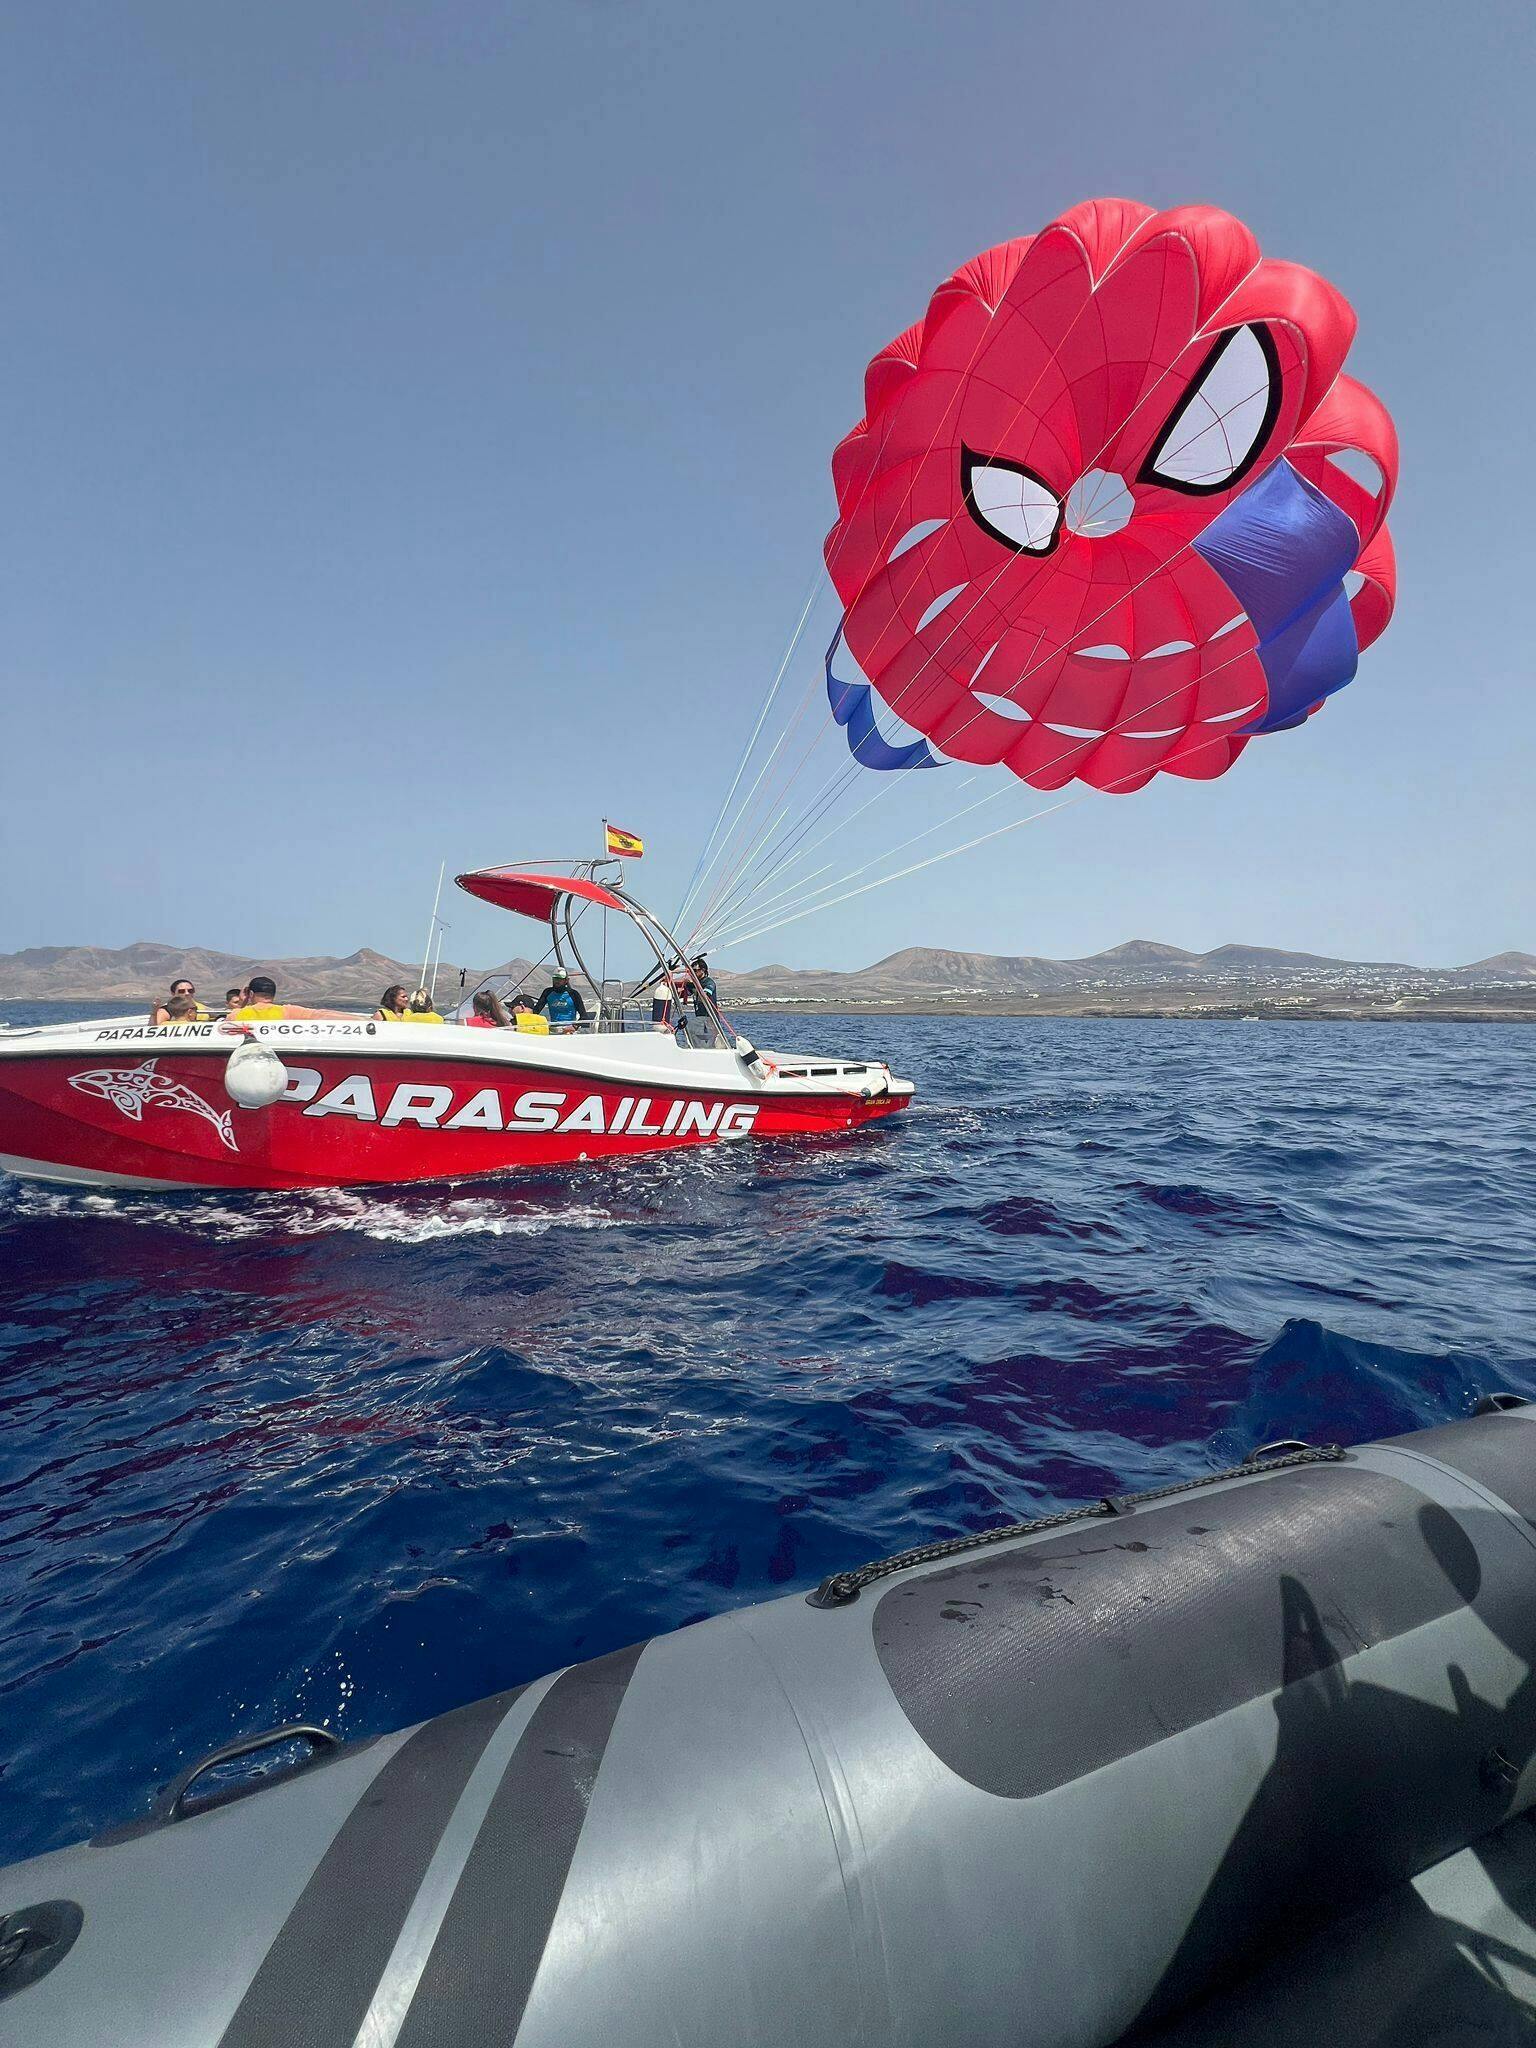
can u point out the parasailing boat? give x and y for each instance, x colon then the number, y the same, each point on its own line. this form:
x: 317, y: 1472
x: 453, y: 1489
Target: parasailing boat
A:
x: 344, y: 1101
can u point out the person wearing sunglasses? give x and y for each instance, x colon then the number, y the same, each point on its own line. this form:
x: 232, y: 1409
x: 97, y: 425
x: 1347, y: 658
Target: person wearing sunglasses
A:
x: 161, y: 1012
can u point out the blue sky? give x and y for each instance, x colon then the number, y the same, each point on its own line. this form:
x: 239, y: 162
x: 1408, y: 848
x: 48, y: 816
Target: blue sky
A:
x: 416, y: 422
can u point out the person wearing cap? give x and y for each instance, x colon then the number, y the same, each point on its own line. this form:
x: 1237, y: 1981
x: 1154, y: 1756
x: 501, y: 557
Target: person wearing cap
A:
x: 703, y: 985
x: 561, y: 1003
x: 702, y: 994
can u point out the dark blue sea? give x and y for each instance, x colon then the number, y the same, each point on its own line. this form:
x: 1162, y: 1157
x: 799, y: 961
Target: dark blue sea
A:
x: 357, y: 1457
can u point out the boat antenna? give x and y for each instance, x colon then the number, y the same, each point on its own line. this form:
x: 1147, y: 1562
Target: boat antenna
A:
x: 431, y: 986
x: 426, y: 958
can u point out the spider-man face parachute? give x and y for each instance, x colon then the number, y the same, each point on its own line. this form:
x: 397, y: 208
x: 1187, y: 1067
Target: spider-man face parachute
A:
x: 1112, y: 508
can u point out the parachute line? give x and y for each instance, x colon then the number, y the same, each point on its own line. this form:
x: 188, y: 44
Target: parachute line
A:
x: 746, y: 754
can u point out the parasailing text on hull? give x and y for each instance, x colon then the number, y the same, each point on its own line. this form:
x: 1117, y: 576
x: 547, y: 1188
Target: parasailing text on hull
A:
x: 434, y: 1106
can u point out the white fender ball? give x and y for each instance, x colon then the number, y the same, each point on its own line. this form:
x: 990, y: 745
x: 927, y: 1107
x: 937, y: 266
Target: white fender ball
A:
x: 254, y: 1076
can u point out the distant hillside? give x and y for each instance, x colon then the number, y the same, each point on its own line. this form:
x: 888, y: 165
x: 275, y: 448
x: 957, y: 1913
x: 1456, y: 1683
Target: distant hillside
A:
x: 133, y: 974
x: 1144, y: 953
x: 934, y: 972
x: 1504, y: 967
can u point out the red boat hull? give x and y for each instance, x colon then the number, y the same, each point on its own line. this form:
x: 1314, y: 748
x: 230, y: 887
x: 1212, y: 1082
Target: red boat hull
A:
x: 109, y: 1116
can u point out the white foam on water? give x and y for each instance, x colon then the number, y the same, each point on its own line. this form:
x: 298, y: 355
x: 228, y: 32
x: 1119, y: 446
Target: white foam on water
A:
x: 385, y: 1218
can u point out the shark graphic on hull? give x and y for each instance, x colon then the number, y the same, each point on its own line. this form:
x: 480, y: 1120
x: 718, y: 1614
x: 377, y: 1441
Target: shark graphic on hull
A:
x: 132, y: 1090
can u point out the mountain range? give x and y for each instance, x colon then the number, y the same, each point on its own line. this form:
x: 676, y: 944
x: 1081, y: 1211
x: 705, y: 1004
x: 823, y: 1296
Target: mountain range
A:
x: 918, y: 973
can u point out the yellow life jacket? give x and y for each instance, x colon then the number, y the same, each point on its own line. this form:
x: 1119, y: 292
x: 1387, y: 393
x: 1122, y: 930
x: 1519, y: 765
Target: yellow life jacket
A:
x: 393, y: 1016
x: 527, y: 1020
x: 261, y: 1013
x: 421, y: 1017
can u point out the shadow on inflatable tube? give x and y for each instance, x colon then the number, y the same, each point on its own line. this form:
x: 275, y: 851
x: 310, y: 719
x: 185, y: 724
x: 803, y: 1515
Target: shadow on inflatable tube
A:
x: 1240, y: 1761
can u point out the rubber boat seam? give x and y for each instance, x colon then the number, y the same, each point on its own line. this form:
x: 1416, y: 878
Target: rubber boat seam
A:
x: 839, y: 1588
x: 841, y: 1818
x: 1484, y: 1493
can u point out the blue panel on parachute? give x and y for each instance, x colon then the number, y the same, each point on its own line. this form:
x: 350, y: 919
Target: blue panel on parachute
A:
x: 853, y: 708
x: 1283, y: 550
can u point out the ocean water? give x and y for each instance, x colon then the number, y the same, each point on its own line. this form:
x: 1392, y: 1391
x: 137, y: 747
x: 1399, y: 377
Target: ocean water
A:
x: 355, y: 1458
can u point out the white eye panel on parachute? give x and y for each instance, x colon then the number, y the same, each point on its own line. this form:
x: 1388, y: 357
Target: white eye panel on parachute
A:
x: 1224, y: 420
x: 1013, y: 504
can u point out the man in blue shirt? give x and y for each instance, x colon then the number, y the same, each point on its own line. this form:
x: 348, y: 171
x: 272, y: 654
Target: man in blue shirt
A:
x: 561, y: 1003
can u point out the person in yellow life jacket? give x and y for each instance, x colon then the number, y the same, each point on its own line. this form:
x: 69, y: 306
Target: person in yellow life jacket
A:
x: 526, y: 1018
x: 259, y: 1004
x: 181, y: 1011
x: 421, y: 1010
x: 394, y: 1005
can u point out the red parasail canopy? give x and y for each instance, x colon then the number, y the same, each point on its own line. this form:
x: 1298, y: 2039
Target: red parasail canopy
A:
x: 534, y: 896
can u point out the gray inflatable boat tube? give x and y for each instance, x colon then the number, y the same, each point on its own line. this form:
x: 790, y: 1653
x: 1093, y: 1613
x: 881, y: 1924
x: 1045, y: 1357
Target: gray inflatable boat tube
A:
x: 1044, y: 1791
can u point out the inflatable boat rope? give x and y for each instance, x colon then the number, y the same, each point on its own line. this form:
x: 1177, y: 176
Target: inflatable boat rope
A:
x: 838, y: 1588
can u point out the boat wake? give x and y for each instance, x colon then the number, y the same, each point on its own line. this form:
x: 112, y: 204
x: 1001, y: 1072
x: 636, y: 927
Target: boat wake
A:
x: 416, y: 1217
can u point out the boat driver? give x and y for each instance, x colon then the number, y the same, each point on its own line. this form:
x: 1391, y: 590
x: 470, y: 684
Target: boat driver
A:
x: 705, y: 998
x: 561, y: 1003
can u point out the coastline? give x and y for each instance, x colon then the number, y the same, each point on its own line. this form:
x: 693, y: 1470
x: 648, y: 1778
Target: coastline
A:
x: 1462, y: 1007
x: 1496, y: 1007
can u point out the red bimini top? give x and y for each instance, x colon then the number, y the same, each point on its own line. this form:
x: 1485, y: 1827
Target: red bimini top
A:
x: 534, y: 896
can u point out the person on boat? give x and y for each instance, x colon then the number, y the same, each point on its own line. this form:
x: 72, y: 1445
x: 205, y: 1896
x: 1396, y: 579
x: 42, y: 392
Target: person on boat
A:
x: 486, y: 1010
x: 561, y: 1003
x: 703, y: 985
x: 161, y: 1013
x: 421, y: 1010
x: 181, y: 1011
x: 231, y: 1001
x: 701, y: 993
x: 526, y: 1018
x: 259, y: 1004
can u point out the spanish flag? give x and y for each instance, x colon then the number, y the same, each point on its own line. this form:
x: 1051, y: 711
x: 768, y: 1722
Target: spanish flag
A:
x: 622, y: 843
